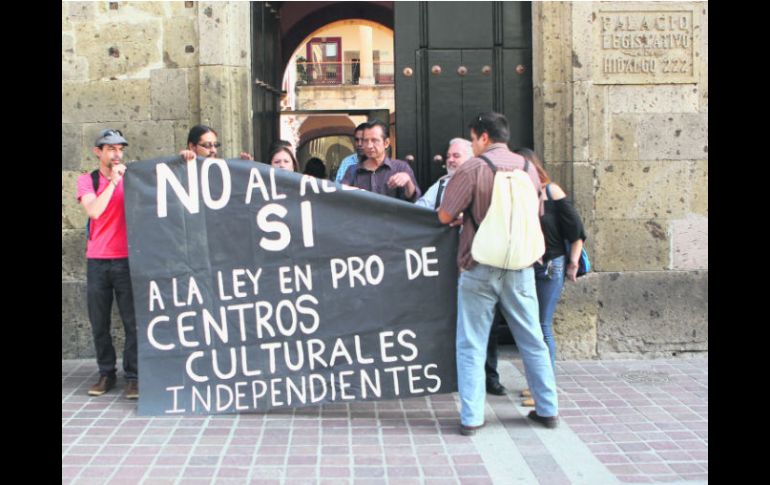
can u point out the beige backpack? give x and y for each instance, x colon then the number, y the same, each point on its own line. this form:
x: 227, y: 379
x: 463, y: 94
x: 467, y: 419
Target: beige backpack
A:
x: 510, y: 236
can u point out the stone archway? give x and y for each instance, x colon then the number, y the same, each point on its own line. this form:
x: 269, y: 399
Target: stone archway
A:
x: 324, y: 125
x: 300, y: 19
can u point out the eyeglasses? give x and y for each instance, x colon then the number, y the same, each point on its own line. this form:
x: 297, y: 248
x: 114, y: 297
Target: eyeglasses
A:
x: 208, y: 145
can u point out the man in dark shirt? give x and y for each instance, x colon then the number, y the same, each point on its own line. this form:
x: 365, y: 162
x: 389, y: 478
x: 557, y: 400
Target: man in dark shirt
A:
x: 379, y: 173
x: 469, y: 193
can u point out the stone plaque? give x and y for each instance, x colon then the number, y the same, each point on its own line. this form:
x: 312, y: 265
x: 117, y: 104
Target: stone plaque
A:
x: 645, y: 47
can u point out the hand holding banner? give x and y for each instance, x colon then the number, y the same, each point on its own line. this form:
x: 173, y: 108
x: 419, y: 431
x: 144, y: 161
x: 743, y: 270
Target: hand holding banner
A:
x: 258, y: 289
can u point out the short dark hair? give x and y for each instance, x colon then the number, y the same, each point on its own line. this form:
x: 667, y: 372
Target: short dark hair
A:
x: 495, y: 125
x: 197, y: 131
x: 385, y: 128
x: 315, y: 167
x: 361, y: 127
x: 279, y: 144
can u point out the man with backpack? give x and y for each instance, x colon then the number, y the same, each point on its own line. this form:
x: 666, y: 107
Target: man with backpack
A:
x: 505, y: 276
x: 459, y: 151
x: 101, y: 195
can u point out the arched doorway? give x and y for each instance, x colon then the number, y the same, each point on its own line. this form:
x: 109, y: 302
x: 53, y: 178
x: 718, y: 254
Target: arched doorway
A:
x: 326, y: 137
x: 284, y: 31
x: 340, y: 76
x: 453, y: 60
x: 300, y: 19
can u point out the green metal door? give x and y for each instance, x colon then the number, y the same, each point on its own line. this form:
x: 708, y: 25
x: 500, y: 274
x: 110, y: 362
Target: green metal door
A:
x: 454, y: 60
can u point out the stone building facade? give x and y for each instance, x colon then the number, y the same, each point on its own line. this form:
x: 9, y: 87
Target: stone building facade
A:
x: 620, y: 115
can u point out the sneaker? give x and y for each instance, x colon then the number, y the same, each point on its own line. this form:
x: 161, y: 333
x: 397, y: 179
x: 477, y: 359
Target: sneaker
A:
x: 105, y: 383
x: 495, y: 388
x: 528, y: 402
x: 547, y: 421
x: 132, y: 389
x: 470, y: 430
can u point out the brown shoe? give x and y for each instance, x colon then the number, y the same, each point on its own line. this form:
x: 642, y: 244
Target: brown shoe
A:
x: 105, y: 383
x: 528, y: 402
x: 470, y: 430
x: 526, y: 393
x: 547, y: 421
x: 132, y: 389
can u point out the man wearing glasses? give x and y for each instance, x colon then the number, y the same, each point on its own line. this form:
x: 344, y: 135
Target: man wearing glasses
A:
x: 101, y: 195
x: 201, y: 142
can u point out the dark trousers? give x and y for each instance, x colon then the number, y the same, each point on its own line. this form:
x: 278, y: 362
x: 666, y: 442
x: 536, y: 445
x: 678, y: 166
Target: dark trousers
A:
x: 490, y: 366
x: 105, y: 276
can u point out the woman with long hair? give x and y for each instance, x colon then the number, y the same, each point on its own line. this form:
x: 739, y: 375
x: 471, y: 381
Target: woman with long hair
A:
x: 564, y: 235
x: 283, y: 158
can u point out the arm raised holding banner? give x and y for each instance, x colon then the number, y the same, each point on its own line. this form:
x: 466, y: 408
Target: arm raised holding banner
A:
x: 102, y: 197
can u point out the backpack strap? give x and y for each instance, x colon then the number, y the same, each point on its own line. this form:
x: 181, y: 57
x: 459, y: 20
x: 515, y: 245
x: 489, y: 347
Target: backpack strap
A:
x: 95, y: 179
x: 440, y: 194
x: 548, y: 191
x: 95, y: 182
x: 494, y: 167
x: 491, y: 165
x: 494, y: 172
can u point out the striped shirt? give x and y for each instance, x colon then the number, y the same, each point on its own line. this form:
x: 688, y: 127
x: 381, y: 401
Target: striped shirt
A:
x: 471, y: 186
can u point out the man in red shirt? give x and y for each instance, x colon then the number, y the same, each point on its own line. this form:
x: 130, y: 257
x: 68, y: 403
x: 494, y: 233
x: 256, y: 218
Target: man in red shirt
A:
x: 107, y: 268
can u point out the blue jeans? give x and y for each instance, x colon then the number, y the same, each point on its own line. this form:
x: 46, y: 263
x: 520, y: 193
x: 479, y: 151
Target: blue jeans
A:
x: 490, y: 366
x: 105, y: 276
x: 549, y: 281
x: 514, y: 291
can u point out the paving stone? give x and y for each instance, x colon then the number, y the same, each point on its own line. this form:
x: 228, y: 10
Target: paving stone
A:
x: 413, y: 441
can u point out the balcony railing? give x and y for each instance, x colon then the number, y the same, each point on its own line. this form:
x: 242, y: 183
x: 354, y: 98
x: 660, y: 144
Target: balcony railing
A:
x: 333, y: 73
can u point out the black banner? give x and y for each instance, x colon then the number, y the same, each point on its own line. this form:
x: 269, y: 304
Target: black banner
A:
x: 258, y: 288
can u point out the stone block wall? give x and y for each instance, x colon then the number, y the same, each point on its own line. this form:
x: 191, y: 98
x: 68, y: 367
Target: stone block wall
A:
x: 621, y: 116
x: 151, y: 70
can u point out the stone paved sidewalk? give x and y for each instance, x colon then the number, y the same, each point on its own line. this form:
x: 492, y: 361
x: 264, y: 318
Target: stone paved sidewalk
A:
x: 623, y: 422
x: 646, y: 420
